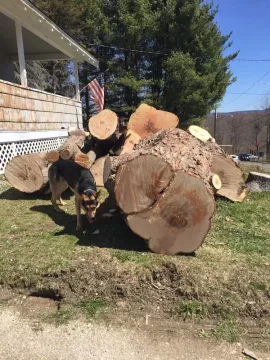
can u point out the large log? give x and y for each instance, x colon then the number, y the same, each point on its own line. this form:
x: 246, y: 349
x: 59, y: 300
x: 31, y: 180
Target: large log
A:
x: 27, y: 173
x: 147, y: 121
x: 100, y: 170
x: 71, y: 147
x: 85, y: 160
x: 166, y: 188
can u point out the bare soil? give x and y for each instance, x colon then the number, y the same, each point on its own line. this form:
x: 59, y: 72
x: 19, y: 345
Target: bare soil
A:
x: 24, y: 337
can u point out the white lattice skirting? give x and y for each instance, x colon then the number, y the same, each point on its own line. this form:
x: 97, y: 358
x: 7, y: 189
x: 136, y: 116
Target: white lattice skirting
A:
x: 9, y: 150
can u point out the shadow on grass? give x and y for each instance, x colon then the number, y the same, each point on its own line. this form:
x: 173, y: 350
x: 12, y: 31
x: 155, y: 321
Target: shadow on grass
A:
x: 113, y: 232
x: 13, y: 195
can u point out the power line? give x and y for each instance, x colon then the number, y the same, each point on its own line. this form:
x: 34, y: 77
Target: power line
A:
x: 248, y: 89
x: 235, y: 93
x: 247, y: 123
x: 165, y: 54
x: 251, y: 60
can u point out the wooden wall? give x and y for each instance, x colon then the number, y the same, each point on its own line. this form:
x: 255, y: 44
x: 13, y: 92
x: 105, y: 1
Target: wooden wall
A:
x: 25, y: 109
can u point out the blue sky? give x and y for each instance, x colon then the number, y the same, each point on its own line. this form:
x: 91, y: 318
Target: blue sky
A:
x: 250, y: 22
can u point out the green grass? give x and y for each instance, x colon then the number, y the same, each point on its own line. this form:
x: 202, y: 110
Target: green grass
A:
x: 192, y: 309
x: 243, y: 227
x: 227, y: 280
x: 141, y: 258
x: 93, y: 307
x: 228, y: 330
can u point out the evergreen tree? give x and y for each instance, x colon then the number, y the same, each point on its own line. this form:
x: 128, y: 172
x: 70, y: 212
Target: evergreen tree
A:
x: 180, y: 65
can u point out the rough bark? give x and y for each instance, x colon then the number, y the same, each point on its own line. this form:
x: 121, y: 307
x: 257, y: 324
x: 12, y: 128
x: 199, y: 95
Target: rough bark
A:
x: 147, y: 121
x: 258, y: 181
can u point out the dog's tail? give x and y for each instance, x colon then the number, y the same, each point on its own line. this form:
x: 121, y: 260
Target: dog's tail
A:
x: 46, y: 189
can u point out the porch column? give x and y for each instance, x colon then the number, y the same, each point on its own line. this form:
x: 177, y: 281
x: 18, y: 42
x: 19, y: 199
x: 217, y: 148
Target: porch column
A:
x: 20, y: 48
x: 77, y: 84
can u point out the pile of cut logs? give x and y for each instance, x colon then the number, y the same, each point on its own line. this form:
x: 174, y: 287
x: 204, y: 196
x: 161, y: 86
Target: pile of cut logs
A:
x: 164, y: 179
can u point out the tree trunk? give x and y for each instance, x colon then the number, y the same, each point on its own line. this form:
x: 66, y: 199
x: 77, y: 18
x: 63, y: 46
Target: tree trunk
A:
x: 147, y: 121
x: 165, y: 188
x: 27, y: 173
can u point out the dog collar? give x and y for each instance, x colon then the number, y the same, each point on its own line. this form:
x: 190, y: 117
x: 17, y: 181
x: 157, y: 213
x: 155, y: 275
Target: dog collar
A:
x: 89, y: 190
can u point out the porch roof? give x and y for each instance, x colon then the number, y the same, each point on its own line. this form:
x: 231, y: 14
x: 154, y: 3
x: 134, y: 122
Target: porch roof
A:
x: 43, y: 39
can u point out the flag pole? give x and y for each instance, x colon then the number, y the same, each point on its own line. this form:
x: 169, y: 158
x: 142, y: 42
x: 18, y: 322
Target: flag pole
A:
x: 94, y: 79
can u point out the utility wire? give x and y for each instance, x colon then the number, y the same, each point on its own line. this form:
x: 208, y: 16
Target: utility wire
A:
x: 248, y: 88
x: 165, y: 54
x: 247, y: 123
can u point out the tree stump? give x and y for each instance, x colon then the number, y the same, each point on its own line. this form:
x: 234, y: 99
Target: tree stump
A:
x: 147, y: 121
x: 258, y: 181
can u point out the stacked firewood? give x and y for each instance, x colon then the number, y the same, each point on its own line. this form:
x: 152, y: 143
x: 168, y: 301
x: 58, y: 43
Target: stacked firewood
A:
x: 164, y: 179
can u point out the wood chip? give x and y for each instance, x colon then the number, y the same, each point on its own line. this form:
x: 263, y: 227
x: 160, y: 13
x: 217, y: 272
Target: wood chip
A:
x: 249, y: 354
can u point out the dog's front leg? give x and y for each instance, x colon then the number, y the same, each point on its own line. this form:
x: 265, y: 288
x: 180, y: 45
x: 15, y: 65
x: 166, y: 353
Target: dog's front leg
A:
x: 78, y: 213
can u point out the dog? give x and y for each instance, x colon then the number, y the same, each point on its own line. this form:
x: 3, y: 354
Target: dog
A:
x: 67, y: 173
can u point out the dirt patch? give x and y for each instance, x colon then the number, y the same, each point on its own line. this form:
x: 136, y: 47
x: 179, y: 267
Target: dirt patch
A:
x: 33, y: 307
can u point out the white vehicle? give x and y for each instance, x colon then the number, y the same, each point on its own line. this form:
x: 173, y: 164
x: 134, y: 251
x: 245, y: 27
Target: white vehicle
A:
x: 235, y: 159
x: 253, y: 157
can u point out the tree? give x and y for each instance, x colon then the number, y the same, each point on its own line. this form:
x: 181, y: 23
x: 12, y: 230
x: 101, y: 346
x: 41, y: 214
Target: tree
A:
x: 179, y: 63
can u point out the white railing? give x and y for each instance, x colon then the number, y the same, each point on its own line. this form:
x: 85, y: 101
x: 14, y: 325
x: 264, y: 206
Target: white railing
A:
x: 13, y: 143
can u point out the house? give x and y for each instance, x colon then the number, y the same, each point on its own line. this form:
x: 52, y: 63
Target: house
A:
x: 32, y: 120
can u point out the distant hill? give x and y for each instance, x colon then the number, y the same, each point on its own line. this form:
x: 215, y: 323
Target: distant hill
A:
x: 246, y: 131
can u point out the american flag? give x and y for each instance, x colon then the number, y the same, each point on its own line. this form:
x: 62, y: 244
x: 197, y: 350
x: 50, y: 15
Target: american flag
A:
x: 96, y: 86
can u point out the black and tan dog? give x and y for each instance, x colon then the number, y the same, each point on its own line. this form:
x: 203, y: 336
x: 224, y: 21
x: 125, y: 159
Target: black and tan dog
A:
x: 67, y: 173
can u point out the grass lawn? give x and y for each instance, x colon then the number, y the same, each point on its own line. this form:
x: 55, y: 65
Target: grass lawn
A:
x: 227, y: 281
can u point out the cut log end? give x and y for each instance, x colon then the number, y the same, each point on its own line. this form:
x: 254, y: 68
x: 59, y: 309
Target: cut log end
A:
x: 147, y: 121
x: 199, y: 133
x: 140, y: 181
x: 216, y: 182
x: 52, y: 156
x: 131, y: 140
x: 24, y: 174
x: 180, y: 219
x: 103, y: 125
